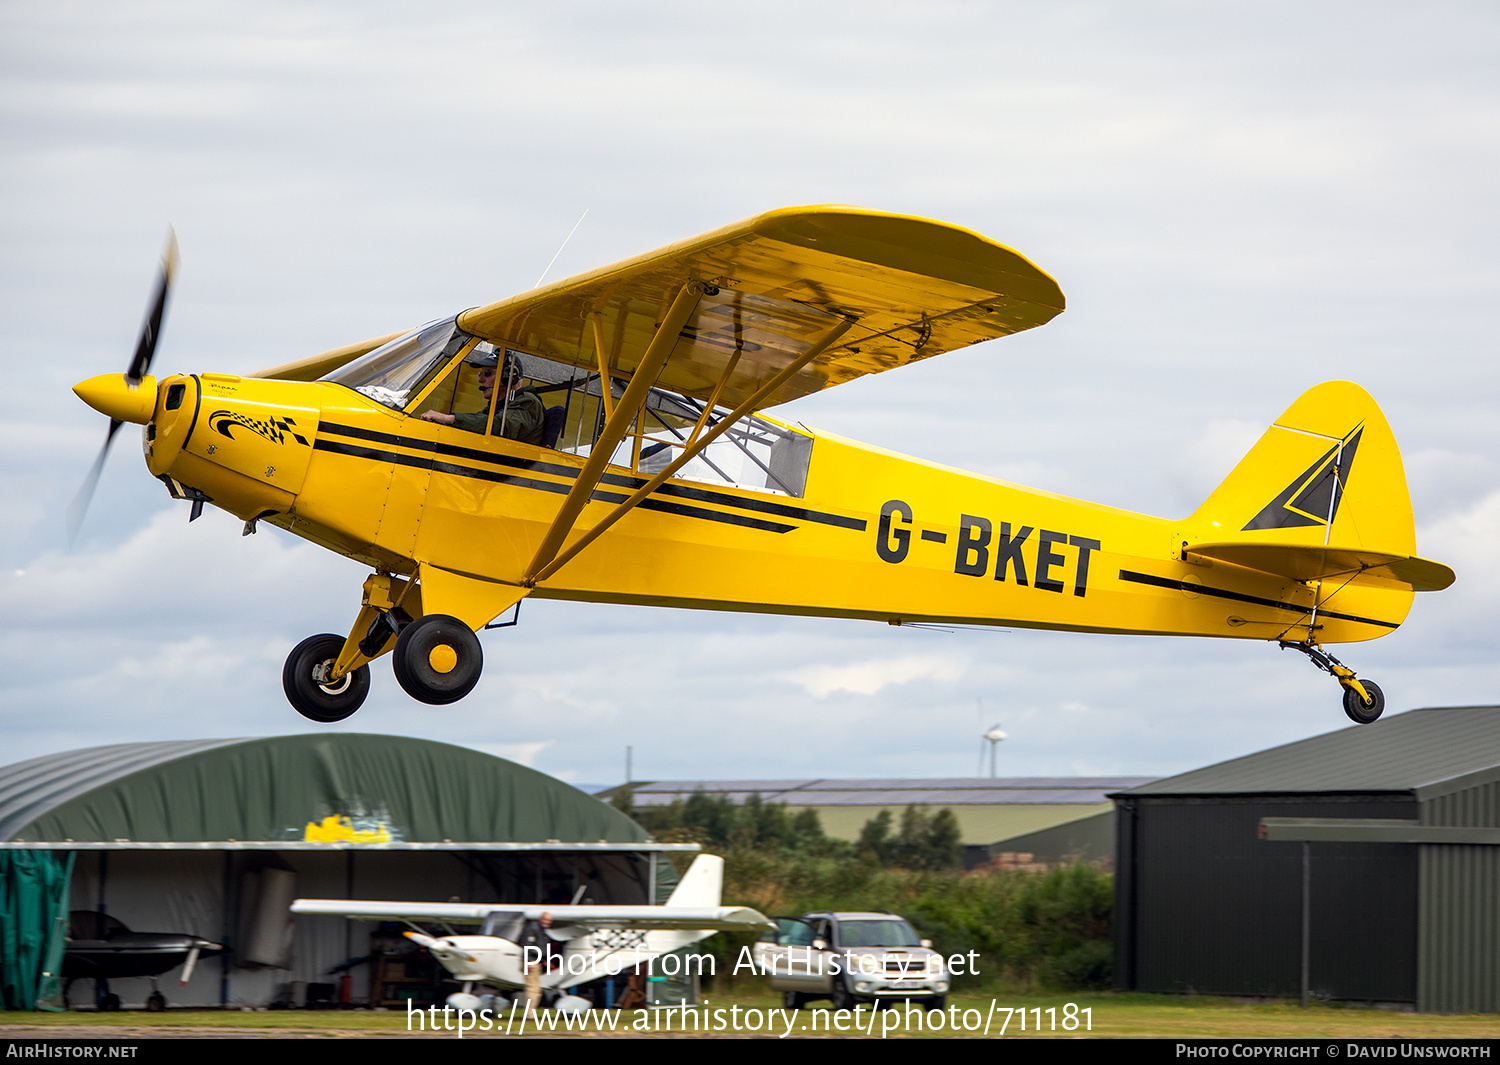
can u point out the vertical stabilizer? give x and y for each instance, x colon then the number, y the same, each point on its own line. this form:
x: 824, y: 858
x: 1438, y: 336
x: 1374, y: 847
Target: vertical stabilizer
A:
x: 1321, y: 500
x: 702, y: 884
x: 1327, y: 472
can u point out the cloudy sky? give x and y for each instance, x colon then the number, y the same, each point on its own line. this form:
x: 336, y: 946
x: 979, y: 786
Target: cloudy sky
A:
x: 1239, y: 199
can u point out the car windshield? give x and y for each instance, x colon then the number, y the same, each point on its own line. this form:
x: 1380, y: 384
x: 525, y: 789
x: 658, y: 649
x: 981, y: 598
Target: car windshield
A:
x: 790, y: 931
x: 892, y: 932
x: 395, y: 372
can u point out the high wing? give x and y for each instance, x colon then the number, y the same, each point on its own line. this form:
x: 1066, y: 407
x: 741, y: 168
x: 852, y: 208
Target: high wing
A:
x: 775, y: 287
x: 784, y: 279
x: 686, y: 918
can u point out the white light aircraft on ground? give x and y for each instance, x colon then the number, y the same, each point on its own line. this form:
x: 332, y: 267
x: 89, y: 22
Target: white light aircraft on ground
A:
x: 593, y: 941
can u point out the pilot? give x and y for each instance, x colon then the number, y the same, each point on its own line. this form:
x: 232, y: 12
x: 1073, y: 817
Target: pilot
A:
x: 518, y: 415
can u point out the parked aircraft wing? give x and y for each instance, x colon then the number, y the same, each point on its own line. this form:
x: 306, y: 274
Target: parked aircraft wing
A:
x: 718, y: 918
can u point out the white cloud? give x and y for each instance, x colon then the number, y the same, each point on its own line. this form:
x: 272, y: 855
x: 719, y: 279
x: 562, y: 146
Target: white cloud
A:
x: 521, y: 753
x: 1467, y: 542
x: 1202, y: 465
x: 867, y: 678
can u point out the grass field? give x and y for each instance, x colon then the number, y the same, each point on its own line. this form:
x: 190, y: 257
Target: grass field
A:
x: 1110, y: 1016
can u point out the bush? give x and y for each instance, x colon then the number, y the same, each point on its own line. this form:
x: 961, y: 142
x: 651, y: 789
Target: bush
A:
x: 1024, y: 927
x: 1090, y: 967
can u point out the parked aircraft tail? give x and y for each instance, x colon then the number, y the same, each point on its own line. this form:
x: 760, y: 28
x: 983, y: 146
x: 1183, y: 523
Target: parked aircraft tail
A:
x: 702, y: 884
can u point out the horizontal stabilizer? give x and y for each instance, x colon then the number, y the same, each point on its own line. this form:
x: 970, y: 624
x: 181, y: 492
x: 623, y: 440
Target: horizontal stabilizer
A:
x: 1352, y: 565
x: 687, y: 918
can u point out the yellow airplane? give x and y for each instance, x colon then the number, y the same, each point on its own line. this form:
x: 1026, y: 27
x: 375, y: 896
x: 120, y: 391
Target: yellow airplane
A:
x: 629, y: 461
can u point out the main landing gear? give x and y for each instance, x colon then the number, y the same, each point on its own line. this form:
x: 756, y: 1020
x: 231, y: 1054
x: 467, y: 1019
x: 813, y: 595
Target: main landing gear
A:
x: 436, y: 656
x: 1364, y: 702
x: 437, y: 660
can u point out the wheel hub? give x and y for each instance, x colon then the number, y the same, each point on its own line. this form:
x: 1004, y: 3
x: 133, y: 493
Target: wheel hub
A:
x: 442, y: 658
x: 321, y: 672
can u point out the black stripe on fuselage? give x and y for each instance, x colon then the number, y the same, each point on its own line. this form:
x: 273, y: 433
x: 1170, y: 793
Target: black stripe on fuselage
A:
x: 698, y: 495
x: 439, y: 466
x: 1241, y: 597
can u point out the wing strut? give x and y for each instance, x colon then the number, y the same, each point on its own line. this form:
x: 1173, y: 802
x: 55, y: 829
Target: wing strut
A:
x: 636, y: 394
x: 691, y: 450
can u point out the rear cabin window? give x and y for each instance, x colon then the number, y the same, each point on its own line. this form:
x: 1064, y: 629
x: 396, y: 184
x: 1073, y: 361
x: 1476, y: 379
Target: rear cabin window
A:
x: 754, y: 452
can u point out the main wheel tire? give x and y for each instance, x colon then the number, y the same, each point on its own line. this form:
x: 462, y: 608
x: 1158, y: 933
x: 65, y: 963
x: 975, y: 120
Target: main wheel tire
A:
x: 310, y: 698
x: 1361, y: 712
x: 437, y: 659
x: 156, y: 1002
x: 792, y: 1000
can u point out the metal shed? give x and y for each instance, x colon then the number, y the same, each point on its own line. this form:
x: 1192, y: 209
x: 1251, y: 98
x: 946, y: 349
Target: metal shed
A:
x: 207, y: 836
x: 1363, y: 864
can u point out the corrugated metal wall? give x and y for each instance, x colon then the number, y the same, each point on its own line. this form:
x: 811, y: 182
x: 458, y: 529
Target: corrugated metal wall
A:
x: 1459, y: 920
x: 1204, y: 904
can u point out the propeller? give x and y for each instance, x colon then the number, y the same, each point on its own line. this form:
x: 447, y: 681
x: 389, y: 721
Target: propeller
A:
x: 135, y: 373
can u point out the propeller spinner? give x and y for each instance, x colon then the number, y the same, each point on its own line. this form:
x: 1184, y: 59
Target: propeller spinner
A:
x: 127, y: 397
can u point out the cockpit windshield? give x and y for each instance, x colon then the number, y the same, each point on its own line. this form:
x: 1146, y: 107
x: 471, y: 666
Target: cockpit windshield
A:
x: 394, y: 372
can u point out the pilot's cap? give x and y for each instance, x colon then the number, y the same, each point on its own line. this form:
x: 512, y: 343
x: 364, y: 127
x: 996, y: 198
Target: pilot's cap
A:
x: 489, y: 360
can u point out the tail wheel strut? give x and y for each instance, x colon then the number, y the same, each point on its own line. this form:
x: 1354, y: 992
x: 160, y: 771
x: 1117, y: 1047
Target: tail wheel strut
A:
x: 1364, y: 702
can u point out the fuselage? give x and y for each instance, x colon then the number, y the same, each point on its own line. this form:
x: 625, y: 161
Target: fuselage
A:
x: 874, y: 535
x: 500, y: 962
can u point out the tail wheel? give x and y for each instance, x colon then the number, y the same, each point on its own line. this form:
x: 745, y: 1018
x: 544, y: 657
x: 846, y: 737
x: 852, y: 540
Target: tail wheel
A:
x: 305, y: 673
x: 437, y: 659
x: 1360, y: 711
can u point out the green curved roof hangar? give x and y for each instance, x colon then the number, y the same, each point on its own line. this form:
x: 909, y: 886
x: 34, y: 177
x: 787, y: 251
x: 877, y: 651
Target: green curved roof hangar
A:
x: 325, y: 789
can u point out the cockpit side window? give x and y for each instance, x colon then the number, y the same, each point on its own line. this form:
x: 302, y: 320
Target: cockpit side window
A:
x: 458, y: 391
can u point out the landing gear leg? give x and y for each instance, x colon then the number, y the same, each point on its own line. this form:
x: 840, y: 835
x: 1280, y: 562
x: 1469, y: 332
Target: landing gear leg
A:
x: 1364, y: 702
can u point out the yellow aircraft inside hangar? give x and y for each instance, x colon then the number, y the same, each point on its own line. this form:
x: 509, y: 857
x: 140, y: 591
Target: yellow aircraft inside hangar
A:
x: 629, y: 460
